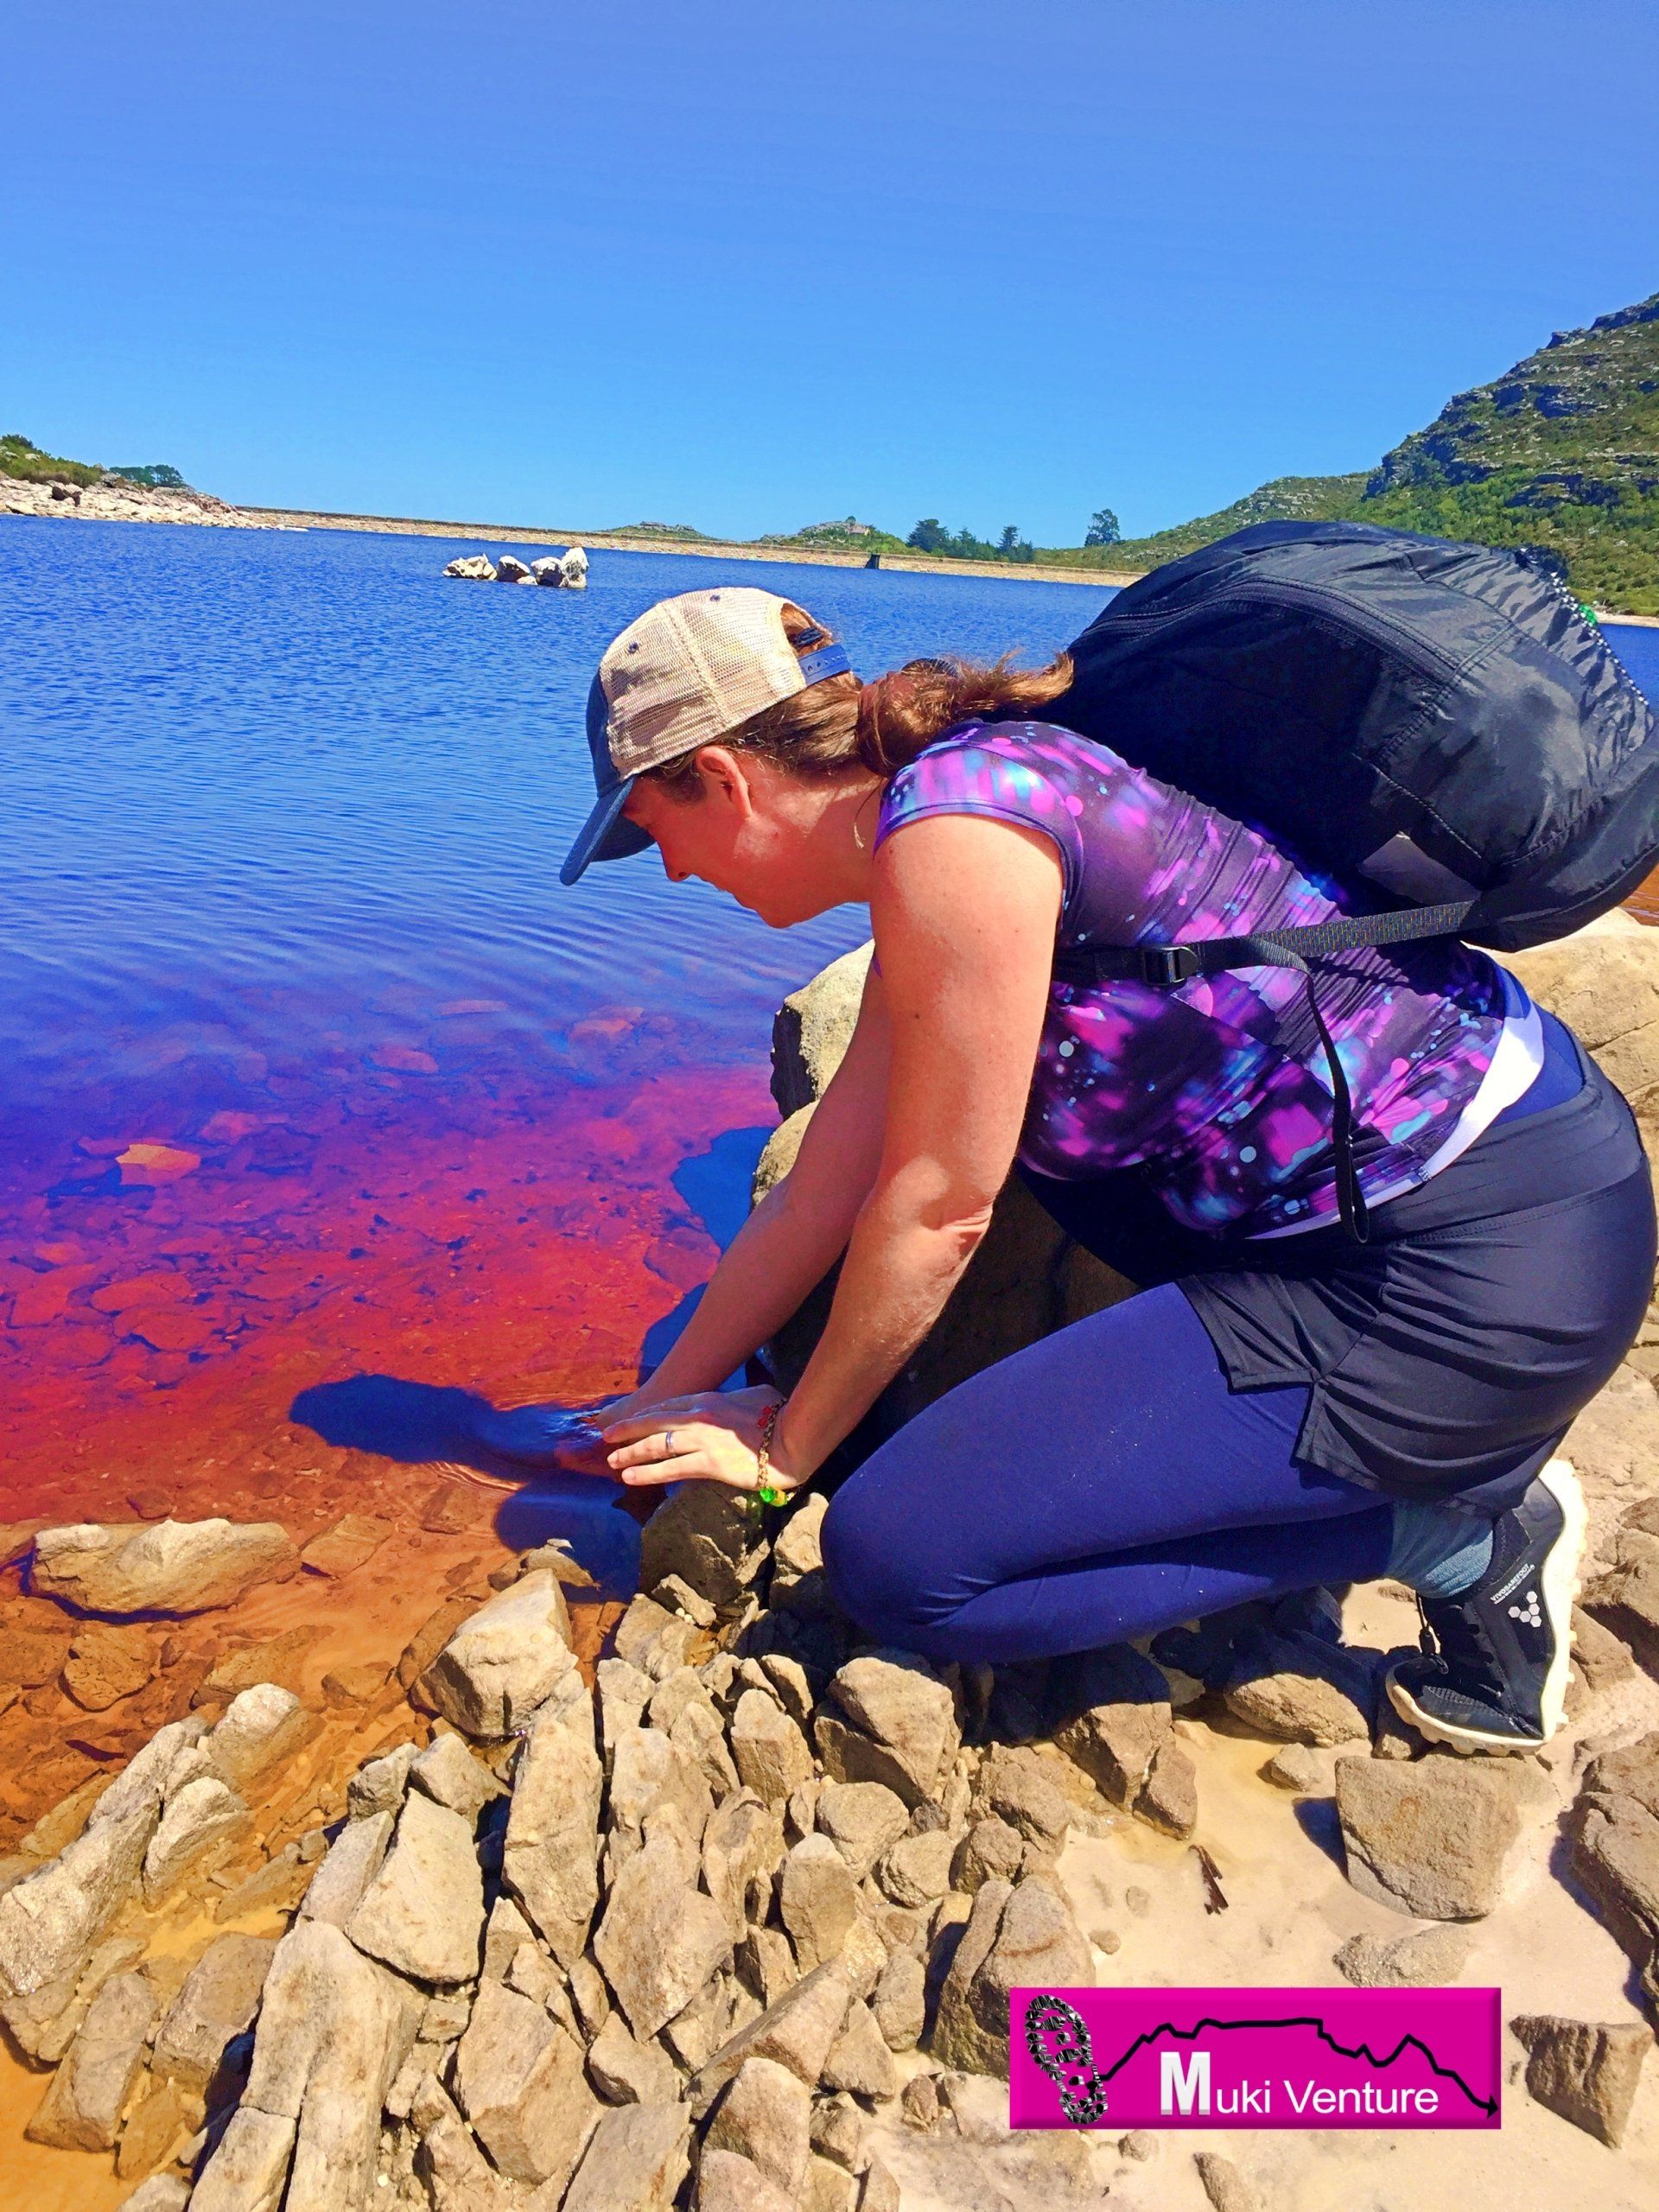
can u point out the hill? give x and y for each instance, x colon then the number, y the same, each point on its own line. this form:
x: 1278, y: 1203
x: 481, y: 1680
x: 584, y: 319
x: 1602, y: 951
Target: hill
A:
x: 1561, y: 451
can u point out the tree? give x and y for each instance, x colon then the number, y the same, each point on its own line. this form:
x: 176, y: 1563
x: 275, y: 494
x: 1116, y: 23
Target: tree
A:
x: 1008, y: 544
x: 929, y: 536
x: 1103, y: 528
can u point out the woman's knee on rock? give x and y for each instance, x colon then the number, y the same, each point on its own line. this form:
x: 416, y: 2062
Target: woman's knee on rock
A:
x: 871, y: 1575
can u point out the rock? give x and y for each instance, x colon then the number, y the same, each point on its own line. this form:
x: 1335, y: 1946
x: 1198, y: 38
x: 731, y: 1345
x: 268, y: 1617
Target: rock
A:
x: 474, y: 566
x: 1430, y: 1838
x: 1299, y: 1689
x: 82, y: 2109
x: 699, y: 1734
x: 447, y: 1773
x: 549, y: 1862
x: 916, y: 1871
x: 424, y: 1911
x: 30, y: 1656
x: 768, y: 1750
x: 895, y: 1724
x: 704, y: 1535
x: 161, y: 2193
x: 698, y: 2029
x: 899, y: 2004
x: 1223, y: 2184
x: 861, y: 1819
x: 764, y: 2114
x: 215, y: 2004
x: 1295, y: 1768
x: 170, y: 1567
x: 50, y: 1920
x: 797, y: 2031
x: 827, y: 2187
x: 504, y: 1660
x: 510, y: 569
x: 1586, y: 2071
x: 627, y: 2071
x: 106, y: 1664
x: 676, y: 1596
x: 380, y: 1785
x: 520, y: 2079
x: 991, y: 1851
x: 625, y: 1691
x: 1424, y: 1959
x: 1168, y: 1799
x: 818, y: 1900
x: 920, y: 2103
x: 548, y: 572
x: 573, y: 569
x: 635, y: 2161
x: 860, y: 2060
x: 649, y: 1771
x: 1119, y: 1719
x: 352, y: 1862
x: 1022, y: 1935
x: 277, y: 1886
x: 1601, y: 1659
x: 1614, y: 1446
x: 351, y: 1543
x: 742, y: 1848
x: 1018, y: 1786
x: 726, y: 2182
x: 156, y: 2129
x: 660, y: 1938
x: 203, y: 1813
x: 840, y: 2132
x: 333, y: 2028
x: 1615, y: 1829
x: 261, y: 1726
x: 812, y: 1029
x: 1625, y: 1598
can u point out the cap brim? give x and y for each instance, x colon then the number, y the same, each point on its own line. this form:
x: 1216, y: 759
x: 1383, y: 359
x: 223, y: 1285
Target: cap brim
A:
x: 606, y: 835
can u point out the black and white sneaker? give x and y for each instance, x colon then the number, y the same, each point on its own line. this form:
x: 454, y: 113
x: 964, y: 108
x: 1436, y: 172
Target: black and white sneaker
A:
x: 1494, y: 1669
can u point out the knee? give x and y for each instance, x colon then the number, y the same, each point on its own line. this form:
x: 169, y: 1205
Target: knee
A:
x: 874, y: 1573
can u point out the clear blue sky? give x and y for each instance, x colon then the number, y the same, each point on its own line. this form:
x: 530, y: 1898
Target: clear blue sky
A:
x: 749, y: 267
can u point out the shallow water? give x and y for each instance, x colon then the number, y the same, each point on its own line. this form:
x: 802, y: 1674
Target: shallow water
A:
x: 310, y: 1070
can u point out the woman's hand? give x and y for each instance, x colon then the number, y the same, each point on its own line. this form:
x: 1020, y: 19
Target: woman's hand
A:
x: 714, y: 1436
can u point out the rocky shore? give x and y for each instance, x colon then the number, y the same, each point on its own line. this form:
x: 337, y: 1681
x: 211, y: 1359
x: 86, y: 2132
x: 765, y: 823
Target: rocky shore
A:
x: 726, y: 1915
x: 116, y: 499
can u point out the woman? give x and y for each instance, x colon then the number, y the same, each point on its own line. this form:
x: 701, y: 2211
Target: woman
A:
x: 1279, y: 1406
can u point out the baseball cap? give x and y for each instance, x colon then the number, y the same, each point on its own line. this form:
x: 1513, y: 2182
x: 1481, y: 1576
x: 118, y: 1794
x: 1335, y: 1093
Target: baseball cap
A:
x: 685, y: 673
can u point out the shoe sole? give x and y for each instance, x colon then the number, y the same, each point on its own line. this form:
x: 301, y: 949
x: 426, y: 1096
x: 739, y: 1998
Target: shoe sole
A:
x: 1559, y: 1586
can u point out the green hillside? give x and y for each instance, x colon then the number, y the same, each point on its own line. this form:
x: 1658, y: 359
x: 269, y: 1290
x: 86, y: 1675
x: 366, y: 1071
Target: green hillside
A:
x: 1560, y: 451
x: 1287, y: 498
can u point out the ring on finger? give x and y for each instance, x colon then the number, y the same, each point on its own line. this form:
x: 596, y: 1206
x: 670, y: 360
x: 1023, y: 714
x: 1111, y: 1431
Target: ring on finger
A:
x: 668, y: 1442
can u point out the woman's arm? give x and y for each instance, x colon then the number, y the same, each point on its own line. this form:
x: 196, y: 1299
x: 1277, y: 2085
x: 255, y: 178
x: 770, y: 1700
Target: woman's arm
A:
x: 965, y: 911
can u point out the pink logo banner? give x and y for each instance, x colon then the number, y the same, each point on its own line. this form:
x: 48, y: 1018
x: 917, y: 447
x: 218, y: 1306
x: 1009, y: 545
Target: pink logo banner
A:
x: 1123, y: 2058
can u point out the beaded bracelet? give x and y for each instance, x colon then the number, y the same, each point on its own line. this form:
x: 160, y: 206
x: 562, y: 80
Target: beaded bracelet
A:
x: 766, y: 1493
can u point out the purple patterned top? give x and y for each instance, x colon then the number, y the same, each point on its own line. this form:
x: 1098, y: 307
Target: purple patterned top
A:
x: 1219, y: 1085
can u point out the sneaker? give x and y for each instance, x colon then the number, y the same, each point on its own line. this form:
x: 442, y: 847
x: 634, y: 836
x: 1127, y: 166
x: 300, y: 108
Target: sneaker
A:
x: 1493, y: 1672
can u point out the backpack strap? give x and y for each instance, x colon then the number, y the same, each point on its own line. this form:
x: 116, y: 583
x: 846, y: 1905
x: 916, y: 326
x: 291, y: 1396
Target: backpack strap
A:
x: 1164, y: 967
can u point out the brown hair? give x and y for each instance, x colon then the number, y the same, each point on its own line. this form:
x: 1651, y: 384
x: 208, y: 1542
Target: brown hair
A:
x: 840, y: 724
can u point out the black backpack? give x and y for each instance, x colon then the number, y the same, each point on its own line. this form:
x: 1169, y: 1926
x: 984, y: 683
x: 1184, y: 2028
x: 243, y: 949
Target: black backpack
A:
x: 1436, y: 730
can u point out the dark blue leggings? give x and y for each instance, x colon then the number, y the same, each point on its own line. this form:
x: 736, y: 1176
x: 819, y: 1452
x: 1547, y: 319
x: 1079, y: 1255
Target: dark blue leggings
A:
x: 1102, y: 1484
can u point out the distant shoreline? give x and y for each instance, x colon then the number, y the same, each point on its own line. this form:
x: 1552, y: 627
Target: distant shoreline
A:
x: 715, y: 549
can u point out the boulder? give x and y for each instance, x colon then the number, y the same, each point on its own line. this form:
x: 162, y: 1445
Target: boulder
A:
x: 1017, y: 1784
x: 860, y: 2060
x: 476, y: 567
x: 628, y: 2072
x: 1299, y: 1689
x: 50, y: 1920
x: 797, y: 2031
x: 352, y: 1861
x: 899, y: 2002
x: 916, y: 1873
x: 520, y: 2081
x: 1588, y: 2071
x: 1624, y: 1598
x: 729, y: 2183
x: 1429, y: 1837
x: 550, y: 1858
x: 504, y: 1660
x: 215, y: 2004
x: 812, y: 1030
x: 660, y: 1938
x: 635, y: 2161
x: 1116, y: 1718
x: 261, y: 1726
x: 1424, y: 1959
x: 990, y: 1851
x: 82, y: 2109
x: 1615, y: 1829
x: 818, y: 1900
x: 768, y: 1750
x: 171, y: 1757
x: 380, y: 1785
x: 742, y: 1847
x: 764, y: 2114
x: 249, y: 2165
x: 650, y: 1771
x: 861, y: 1819
x: 447, y: 1773
x: 169, y: 1566
x: 704, y: 1534
x: 510, y: 569
x: 1020, y: 1936
x: 573, y: 569
x: 889, y: 1718
x: 203, y: 1813
x: 424, y: 1911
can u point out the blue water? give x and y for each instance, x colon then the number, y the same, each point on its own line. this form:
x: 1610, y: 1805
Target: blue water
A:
x: 283, y: 795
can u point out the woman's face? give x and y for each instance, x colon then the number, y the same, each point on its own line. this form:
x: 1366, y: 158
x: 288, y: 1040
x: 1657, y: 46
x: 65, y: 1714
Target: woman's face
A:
x: 749, y: 833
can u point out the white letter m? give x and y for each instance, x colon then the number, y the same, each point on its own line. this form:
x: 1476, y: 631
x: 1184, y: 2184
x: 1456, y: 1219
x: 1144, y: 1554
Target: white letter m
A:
x: 1179, y: 2087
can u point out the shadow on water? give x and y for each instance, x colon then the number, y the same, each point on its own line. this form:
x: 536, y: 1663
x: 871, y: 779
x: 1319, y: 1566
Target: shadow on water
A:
x: 419, y: 1424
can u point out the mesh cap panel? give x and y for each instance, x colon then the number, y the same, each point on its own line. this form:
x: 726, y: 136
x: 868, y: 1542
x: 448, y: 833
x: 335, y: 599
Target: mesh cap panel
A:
x: 692, y: 667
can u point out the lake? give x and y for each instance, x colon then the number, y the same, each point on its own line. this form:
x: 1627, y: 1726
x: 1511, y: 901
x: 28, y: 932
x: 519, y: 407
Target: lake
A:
x: 309, y: 1067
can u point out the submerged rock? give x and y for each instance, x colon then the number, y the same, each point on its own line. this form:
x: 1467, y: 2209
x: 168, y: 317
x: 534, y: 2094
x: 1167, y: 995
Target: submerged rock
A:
x: 510, y: 569
x: 169, y: 1566
x: 476, y: 567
